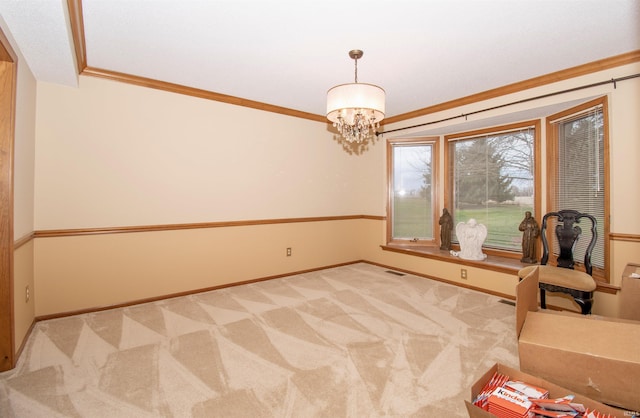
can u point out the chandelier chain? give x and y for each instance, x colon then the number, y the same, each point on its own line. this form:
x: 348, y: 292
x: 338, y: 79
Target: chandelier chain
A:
x: 356, y: 71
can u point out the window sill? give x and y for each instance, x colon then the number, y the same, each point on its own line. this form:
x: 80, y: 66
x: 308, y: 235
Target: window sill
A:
x: 497, y: 263
x: 492, y: 262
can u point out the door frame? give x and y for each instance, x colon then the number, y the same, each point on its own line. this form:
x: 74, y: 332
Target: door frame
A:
x: 8, y: 83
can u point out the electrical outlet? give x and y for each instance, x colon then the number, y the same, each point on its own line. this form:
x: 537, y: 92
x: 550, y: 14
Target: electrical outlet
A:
x: 288, y: 251
x: 27, y: 294
x: 463, y: 274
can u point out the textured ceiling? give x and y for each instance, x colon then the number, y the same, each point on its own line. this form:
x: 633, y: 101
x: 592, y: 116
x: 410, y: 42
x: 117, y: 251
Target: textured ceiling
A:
x: 289, y: 53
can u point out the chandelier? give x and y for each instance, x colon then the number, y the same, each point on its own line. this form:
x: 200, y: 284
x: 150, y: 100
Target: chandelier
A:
x: 356, y: 109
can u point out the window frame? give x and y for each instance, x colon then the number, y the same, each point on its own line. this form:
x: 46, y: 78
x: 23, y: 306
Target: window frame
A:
x: 537, y: 203
x: 435, y: 181
x: 600, y: 274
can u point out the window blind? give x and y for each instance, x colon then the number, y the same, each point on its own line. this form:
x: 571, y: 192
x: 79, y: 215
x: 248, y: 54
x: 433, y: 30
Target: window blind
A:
x: 581, y: 175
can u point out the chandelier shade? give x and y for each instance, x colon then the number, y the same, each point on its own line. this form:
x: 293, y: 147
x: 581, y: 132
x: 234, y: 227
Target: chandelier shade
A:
x: 346, y: 100
x: 356, y: 109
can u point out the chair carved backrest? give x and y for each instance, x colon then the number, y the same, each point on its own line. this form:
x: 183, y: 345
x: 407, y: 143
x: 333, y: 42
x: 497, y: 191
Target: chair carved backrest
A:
x: 567, y: 232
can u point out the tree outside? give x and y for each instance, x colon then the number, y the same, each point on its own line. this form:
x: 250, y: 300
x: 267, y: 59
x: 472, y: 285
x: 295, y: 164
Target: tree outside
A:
x: 493, y: 183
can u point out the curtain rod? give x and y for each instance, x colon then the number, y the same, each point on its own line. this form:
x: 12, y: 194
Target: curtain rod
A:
x: 544, y: 96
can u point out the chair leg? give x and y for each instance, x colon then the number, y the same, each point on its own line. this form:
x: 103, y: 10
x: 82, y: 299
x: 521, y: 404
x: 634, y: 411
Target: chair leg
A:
x: 543, y: 302
x: 585, y: 305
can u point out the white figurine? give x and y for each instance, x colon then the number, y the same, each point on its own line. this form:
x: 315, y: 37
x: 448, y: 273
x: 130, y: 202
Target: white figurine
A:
x: 471, y: 236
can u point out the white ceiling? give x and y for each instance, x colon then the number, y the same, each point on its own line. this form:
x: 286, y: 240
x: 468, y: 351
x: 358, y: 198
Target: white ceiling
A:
x: 290, y: 52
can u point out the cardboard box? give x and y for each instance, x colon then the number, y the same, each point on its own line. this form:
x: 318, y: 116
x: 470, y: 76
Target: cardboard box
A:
x: 630, y: 292
x: 555, y: 391
x: 594, y: 356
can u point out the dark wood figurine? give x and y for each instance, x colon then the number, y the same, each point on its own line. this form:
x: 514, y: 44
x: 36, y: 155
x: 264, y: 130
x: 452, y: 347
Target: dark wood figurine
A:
x: 446, y: 226
x: 530, y: 232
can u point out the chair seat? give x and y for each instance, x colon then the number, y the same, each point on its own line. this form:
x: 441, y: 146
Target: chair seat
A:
x: 562, y: 277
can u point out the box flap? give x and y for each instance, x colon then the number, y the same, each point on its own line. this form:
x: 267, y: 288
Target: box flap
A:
x: 477, y: 387
x: 602, y: 339
x: 526, y: 298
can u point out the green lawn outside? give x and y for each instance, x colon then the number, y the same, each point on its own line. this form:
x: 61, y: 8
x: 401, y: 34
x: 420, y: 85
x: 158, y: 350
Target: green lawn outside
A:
x: 412, y: 218
x: 413, y: 215
x: 502, y: 222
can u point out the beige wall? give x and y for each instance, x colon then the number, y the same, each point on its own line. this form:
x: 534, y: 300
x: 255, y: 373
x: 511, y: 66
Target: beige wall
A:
x: 113, y: 154
x: 24, y: 152
x: 23, y: 277
x: 110, y: 154
x: 82, y: 272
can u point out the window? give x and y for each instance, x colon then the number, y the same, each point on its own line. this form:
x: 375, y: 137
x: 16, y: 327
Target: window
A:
x: 412, y: 183
x: 491, y: 178
x: 578, y: 170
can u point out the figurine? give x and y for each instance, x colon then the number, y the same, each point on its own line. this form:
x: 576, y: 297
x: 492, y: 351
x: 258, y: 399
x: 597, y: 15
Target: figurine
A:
x: 446, y: 226
x: 530, y: 232
x: 471, y: 236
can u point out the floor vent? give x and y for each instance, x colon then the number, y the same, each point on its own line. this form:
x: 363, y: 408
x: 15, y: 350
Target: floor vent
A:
x: 507, y: 302
x: 395, y: 272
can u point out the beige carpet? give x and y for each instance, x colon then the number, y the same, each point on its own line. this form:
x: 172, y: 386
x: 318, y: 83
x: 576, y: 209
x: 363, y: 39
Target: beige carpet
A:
x: 352, y: 341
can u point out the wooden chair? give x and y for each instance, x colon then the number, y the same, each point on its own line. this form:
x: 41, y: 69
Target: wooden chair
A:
x: 563, y: 278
